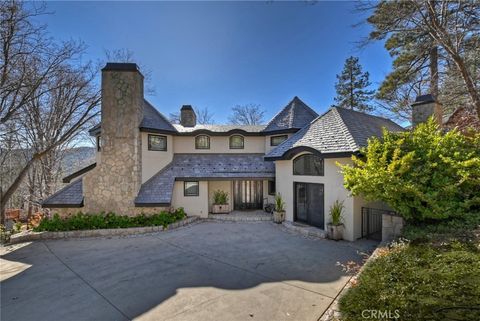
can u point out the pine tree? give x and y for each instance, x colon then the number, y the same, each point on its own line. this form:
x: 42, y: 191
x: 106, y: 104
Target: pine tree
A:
x: 433, y: 44
x: 352, y: 87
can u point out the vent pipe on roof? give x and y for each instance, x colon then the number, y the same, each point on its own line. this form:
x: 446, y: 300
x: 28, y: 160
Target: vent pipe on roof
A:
x: 188, y: 118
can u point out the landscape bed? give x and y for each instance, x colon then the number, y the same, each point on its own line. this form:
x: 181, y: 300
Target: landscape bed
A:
x: 434, y: 275
x: 81, y: 221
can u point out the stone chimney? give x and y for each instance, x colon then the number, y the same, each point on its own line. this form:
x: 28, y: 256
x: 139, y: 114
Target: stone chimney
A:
x: 188, y: 118
x: 424, y: 107
x: 116, y: 180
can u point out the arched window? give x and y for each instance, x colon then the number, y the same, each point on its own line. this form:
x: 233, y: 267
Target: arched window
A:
x: 202, y: 142
x: 308, y: 164
x: 236, y: 142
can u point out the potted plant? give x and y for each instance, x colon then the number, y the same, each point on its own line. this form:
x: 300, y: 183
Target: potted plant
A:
x: 220, y: 202
x: 279, y: 211
x: 335, y: 227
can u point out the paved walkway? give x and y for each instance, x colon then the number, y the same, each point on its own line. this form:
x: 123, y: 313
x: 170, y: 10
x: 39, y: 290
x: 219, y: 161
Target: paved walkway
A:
x: 242, y: 216
x: 204, y: 271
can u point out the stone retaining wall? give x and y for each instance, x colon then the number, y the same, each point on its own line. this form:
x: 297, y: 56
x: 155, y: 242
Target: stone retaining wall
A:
x: 34, y: 236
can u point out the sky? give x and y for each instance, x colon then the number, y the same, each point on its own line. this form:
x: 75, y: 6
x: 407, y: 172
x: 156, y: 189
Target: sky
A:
x: 220, y: 54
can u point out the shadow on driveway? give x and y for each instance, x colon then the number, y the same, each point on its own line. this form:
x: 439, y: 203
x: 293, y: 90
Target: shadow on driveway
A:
x: 206, y: 271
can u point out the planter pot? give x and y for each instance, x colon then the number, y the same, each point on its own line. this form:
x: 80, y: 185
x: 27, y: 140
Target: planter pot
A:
x: 278, y: 217
x: 335, y: 232
x: 220, y: 209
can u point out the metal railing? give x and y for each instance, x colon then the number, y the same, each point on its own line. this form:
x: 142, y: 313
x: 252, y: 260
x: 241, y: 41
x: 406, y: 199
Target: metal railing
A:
x: 372, y: 222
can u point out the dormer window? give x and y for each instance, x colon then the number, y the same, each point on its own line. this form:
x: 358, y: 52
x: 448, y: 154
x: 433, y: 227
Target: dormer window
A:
x: 157, y: 142
x: 202, y: 142
x: 237, y: 142
x: 277, y: 140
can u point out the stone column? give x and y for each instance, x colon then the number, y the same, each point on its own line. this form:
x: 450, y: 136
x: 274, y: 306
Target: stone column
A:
x: 392, y: 226
x: 115, y: 182
x: 424, y: 107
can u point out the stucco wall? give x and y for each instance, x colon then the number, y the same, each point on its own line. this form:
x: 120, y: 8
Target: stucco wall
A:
x: 153, y: 160
x: 271, y: 198
x: 268, y: 148
x: 226, y: 186
x: 358, y: 203
x: 219, y: 144
x: 333, y: 190
x: 193, y: 205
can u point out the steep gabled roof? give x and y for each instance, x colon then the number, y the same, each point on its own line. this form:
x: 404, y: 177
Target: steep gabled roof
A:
x: 153, y: 120
x: 294, y: 116
x: 69, y: 196
x: 338, y: 132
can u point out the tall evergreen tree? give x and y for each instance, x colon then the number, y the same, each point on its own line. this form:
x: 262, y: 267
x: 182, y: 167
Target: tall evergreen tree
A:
x: 433, y: 46
x: 352, y: 87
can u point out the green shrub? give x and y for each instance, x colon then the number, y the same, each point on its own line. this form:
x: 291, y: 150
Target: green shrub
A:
x: 422, y: 174
x: 220, y: 197
x: 461, y: 229
x: 421, y: 282
x: 81, y: 221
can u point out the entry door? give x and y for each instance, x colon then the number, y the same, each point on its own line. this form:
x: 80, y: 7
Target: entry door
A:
x: 248, y: 195
x: 309, y: 204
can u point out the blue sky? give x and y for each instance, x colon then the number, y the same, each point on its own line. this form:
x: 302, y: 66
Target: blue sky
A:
x: 218, y: 54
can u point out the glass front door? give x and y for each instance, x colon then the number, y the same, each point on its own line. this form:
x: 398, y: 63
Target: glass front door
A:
x: 309, y: 204
x: 248, y: 195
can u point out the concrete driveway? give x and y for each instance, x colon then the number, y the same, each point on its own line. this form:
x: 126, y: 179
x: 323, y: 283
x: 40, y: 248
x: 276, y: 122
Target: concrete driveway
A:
x: 205, y: 271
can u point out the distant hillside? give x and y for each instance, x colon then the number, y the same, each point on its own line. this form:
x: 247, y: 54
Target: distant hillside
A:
x: 77, y: 158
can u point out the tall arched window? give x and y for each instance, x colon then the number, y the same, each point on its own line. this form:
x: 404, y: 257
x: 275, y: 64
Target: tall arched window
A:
x: 202, y: 142
x: 236, y: 142
x: 308, y: 164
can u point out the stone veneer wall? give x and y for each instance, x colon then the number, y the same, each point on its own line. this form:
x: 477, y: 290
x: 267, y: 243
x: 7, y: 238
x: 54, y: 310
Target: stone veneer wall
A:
x: 391, y: 227
x: 115, y: 182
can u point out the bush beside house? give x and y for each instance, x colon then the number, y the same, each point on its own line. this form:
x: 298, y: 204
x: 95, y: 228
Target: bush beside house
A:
x: 422, y: 174
x: 81, y: 221
x: 431, y: 178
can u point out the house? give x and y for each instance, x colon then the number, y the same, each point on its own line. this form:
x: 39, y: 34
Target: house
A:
x: 145, y: 164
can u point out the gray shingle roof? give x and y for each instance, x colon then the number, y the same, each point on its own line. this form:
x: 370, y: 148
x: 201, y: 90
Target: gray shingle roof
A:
x: 158, y: 189
x: 220, y: 128
x: 69, y: 196
x: 152, y: 119
x: 339, y: 130
x: 295, y: 115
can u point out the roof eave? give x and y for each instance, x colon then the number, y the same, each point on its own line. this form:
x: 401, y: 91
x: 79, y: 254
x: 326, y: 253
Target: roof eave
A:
x: 62, y: 205
x: 82, y: 171
x: 281, y: 131
x: 291, y: 153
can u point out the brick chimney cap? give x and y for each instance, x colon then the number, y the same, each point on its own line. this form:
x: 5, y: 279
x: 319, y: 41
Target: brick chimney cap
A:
x: 186, y: 107
x: 121, y: 66
x: 424, y: 99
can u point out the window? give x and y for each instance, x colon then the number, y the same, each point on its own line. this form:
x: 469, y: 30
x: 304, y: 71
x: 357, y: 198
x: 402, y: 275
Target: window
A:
x: 190, y: 189
x: 308, y: 164
x: 271, y: 188
x: 99, y: 143
x: 157, y: 142
x: 236, y: 142
x: 202, y: 142
x: 277, y: 140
